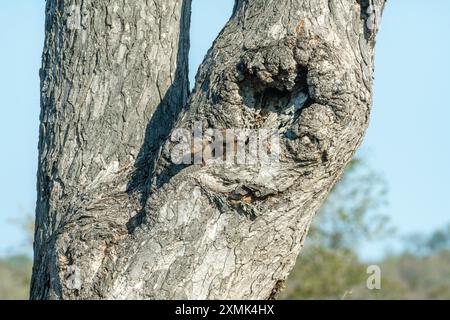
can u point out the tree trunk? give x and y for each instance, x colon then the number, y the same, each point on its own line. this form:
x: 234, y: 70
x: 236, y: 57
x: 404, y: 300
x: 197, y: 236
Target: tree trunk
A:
x: 116, y: 218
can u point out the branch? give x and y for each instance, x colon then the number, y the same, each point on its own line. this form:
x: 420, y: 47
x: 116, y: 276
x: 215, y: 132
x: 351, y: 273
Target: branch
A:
x: 234, y: 232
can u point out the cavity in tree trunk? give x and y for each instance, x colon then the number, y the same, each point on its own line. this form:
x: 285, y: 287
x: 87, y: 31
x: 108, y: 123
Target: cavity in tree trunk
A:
x: 116, y: 218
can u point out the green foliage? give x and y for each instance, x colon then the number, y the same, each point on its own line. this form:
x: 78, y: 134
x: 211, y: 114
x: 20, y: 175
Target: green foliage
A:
x: 15, y: 277
x: 15, y: 271
x: 353, y: 210
x: 409, y: 276
x: 324, y: 273
x: 26, y: 226
x: 329, y: 267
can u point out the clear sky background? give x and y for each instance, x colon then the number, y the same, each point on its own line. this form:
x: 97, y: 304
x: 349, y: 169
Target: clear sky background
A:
x: 407, y: 142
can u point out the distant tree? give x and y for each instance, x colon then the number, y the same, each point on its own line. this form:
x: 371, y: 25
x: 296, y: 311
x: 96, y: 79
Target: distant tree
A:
x: 354, y: 210
x: 329, y: 267
x: 439, y: 240
x: 423, y: 244
x: 26, y: 226
x: 323, y: 273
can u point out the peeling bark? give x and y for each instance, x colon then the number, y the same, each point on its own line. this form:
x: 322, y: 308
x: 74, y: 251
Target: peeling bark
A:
x: 116, y: 219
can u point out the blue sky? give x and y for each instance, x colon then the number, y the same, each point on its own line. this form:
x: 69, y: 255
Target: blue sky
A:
x: 407, y: 141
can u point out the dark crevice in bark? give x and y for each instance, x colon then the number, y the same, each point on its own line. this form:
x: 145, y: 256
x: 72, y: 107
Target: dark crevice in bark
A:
x: 370, y: 16
x: 100, y: 81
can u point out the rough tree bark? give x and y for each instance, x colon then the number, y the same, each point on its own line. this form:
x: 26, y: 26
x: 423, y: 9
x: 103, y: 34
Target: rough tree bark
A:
x: 116, y: 219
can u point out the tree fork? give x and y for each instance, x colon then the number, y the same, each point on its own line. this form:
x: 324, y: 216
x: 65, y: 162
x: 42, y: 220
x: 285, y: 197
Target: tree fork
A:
x: 116, y: 219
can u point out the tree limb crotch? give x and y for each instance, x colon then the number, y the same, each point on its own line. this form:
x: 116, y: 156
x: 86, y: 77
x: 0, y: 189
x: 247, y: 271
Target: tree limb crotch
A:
x: 117, y: 219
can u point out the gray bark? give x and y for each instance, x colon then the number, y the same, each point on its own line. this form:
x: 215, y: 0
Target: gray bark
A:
x: 116, y: 219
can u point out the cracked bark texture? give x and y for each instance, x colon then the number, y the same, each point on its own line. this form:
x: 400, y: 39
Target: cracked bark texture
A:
x: 116, y: 219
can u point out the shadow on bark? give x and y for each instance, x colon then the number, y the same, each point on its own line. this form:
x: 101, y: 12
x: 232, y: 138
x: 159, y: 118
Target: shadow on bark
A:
x: 162, y: 122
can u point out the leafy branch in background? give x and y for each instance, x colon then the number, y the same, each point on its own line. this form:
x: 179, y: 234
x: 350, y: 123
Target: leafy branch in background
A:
x: 26, y: 226
x: 330, y: 267
x: 353, y: 212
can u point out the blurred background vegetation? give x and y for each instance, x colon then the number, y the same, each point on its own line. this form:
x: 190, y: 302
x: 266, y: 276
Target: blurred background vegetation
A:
x: 15, y: 270
x: 330, y: 266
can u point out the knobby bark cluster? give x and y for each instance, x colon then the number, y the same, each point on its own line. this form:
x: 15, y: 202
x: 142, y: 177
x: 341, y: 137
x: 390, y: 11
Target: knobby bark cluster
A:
x: 116, y: 218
